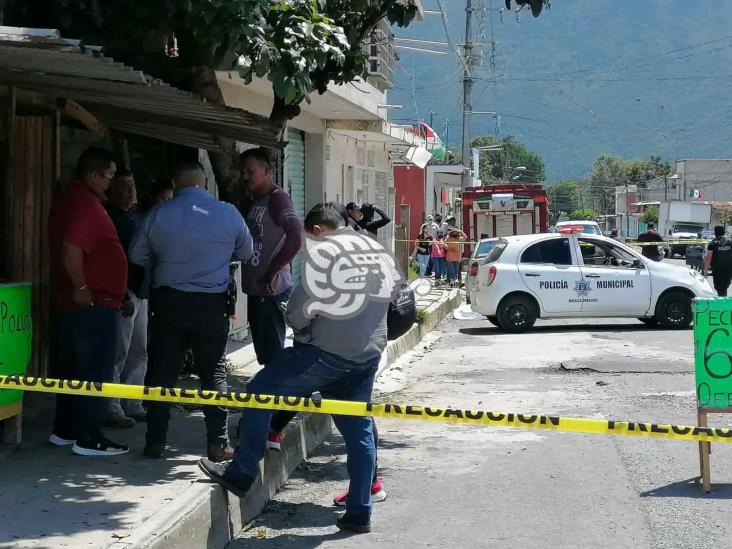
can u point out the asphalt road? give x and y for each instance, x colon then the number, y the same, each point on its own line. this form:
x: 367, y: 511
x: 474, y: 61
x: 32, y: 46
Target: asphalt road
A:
x: 459, y: 486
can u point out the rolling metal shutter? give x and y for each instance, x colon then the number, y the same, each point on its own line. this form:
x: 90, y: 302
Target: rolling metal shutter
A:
x: 295, y: 164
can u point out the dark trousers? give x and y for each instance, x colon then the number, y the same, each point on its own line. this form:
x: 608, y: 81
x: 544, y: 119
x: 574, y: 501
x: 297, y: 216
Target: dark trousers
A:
x: 181, y: 319
x: 87, y: 351
x: 721, y: 281
x: 267, y: 323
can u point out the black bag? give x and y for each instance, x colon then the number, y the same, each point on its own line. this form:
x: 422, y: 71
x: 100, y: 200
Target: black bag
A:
x: 402, y: 313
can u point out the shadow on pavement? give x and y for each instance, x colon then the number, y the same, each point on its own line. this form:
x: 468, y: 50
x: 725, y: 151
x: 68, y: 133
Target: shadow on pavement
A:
x: 690, y: 488
x: 50, y: 497
x: 560, y: 328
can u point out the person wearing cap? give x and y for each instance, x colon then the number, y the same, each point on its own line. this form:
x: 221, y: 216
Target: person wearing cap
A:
x: 353, y: 209
x: 368, y: 223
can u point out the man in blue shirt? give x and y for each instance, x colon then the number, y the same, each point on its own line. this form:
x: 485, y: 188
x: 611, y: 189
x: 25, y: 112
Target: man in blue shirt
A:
x: 189, y: 243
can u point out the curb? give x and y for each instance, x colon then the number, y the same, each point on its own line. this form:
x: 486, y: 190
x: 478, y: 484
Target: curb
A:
x: 434, y: 314
x: 208, y: 516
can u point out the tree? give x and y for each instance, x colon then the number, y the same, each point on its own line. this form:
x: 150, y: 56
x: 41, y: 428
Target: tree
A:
x: 565, y: 196
x: 301, y: 46
x: 500, y: 165
x: 651, y: 214
x: 639, y: 172
x: 586, y: 213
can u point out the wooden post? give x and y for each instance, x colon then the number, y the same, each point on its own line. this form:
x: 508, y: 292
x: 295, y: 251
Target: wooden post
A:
x: 705, y: 448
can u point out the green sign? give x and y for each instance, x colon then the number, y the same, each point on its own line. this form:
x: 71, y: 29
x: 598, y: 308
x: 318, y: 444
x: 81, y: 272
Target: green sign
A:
x: 16, y: 334
x: 713, y: 352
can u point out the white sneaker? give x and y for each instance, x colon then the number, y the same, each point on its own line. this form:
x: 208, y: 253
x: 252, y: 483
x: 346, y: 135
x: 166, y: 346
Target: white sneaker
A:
x: 58, y: 441
x: 99, y: 447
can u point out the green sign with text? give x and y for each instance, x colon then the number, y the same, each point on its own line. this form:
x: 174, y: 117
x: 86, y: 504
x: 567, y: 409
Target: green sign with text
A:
x: 713, y: 352
x: 16, y: 334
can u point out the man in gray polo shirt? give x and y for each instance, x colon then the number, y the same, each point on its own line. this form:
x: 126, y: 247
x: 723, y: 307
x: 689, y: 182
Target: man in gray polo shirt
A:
x: 341, y: 334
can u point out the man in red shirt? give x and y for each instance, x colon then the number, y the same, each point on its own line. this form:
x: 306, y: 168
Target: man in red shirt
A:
x: 89, y: 282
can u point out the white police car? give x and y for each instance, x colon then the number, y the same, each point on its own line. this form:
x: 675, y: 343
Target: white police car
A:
x: 581, y: 275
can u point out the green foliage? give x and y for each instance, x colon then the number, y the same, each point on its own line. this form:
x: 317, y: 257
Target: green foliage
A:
x: 565, y: 196
x: 421, y: 316
x: 609, y: 172
x: 586, y: 213
x: 650, y: 215
x: 301, y: 46
x: 496, y: 166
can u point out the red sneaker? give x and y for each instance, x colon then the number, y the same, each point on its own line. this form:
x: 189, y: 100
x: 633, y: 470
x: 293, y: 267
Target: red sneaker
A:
x: 378, y: 494
x: 274, y: 441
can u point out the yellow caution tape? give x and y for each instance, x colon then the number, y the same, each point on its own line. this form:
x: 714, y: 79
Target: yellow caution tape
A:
x: 626, y: 242
x: 349, y: 408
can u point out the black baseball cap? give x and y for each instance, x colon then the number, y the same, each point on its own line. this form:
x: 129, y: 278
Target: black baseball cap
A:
x: 353, y: 206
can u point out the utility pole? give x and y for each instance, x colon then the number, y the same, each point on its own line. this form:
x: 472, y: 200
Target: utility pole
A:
x: 447, y: 132
x: 432, y: 118
x: 467, y: 90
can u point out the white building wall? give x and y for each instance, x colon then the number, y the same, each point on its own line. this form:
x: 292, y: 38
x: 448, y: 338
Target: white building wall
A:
x: 712, y: 177
x: 359, y: 170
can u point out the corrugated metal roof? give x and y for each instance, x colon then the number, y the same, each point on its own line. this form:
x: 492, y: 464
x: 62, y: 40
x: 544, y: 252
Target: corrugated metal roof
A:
x: 120, y: 96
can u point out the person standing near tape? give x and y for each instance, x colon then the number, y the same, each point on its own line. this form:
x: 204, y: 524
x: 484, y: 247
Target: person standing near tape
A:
x: 339, y: 367
x: 650, y: 237
x: 189, y: 242
x: 719, y: 258
x: 131, y: 363
x: 277, y: 234
x: 89, y: 280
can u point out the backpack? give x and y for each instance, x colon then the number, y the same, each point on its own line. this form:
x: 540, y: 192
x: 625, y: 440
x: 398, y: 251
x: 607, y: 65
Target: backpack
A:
x: 402, y: 313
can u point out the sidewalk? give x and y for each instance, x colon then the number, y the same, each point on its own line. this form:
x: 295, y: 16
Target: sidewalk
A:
x: 51, y: 498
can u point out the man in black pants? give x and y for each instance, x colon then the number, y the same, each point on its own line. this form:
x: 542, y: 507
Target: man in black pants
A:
x: 189, y: 242
x: 277, y: 234
x: 719, y: 257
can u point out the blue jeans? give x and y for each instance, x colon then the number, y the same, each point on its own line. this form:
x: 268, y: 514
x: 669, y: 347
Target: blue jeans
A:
x: 87, y: 351
x: 424, y: 261
x: 452, y: 270
x: 300, y: 371
x: 439, y: 264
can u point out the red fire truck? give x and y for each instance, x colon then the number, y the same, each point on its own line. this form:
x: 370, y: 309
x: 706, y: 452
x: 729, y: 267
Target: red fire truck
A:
x: 504, y: 209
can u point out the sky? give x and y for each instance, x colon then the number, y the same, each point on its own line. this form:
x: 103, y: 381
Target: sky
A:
x: 586, y: 78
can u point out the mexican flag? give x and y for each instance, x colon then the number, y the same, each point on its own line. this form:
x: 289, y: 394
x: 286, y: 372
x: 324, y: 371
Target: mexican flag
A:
x: 694, y: 193
x: 434, y: 143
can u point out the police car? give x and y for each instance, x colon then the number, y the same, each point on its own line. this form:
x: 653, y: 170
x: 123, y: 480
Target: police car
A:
x: 573, y: 274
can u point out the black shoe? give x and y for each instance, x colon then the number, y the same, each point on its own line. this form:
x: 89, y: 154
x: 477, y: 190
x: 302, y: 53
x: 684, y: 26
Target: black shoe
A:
x: 217, y: 473
x: 154, y: 450
x: 99, y: 446
x: 119, y: 422
x: 344, y: 522
x: 139, y: 417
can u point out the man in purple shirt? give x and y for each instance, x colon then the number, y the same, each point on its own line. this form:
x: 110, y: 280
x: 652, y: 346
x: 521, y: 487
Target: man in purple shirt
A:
x: 278, y: 234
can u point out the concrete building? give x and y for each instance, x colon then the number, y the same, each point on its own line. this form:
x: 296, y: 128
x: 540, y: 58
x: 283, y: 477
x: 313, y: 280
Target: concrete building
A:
x: 712, y: 178
x: 340, y: 148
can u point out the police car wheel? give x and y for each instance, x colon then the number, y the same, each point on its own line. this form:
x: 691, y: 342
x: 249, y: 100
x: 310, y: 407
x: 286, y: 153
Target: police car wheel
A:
x: 517, y: 313
x: 674, y: 311
x: 494, y: 320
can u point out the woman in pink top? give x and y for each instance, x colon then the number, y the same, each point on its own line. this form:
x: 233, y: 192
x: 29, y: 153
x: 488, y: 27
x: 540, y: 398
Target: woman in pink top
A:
x: 439, y: 253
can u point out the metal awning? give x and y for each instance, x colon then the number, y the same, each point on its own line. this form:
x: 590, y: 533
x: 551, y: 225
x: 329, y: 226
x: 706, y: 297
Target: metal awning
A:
x: 121, y: 97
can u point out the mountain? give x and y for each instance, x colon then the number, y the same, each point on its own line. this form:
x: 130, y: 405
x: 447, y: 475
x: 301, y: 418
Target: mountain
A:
x: 588, y: 77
